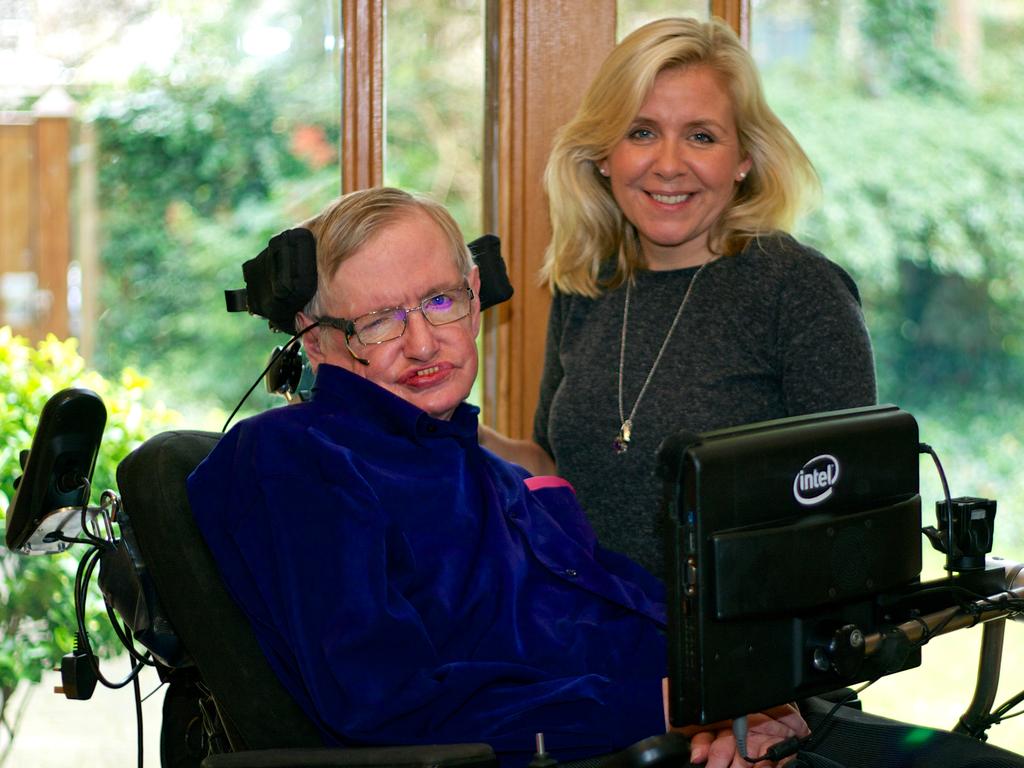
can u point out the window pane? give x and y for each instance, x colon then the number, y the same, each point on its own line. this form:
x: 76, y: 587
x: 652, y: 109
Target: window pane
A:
x: 200, y: 129
x: 636, y: 13
x: 434, y: 103
x: 910, y: 111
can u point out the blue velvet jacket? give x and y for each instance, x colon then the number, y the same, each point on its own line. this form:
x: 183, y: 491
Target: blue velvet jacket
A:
x: 408, y: 586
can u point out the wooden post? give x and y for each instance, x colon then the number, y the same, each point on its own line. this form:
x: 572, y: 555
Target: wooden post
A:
x: 546, y: 55
x: 52, y: 217
x: 87, y: 236
x: 16, y: 242
x: 735, y: 13
x: 362, y: 135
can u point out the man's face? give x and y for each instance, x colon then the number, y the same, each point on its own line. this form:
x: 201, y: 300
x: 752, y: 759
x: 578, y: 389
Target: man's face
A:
x: 432, y: 367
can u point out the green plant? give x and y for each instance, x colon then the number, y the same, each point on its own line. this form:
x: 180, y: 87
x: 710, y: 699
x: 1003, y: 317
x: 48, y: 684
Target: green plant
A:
x: 37, y: 625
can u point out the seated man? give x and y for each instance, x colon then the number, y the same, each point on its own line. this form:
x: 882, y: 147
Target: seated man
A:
x: 406, y: 585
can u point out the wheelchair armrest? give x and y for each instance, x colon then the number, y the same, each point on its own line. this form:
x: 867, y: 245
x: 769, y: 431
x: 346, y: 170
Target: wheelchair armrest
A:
x: 667, y: 750
x: 426, y: 756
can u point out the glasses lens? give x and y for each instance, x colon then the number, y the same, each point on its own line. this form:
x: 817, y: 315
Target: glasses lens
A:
x: 447, y: 307
x: 380, y: 326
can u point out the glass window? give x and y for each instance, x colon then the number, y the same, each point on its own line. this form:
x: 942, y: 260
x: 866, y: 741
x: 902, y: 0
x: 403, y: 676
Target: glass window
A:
x: 434, y: 103
x: 199, y: 130
x: 910, y: 112
x: 636, y: 13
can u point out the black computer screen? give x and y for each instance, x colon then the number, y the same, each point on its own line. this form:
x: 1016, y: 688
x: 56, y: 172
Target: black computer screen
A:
x: 58, y: 465
x: 779, y: 535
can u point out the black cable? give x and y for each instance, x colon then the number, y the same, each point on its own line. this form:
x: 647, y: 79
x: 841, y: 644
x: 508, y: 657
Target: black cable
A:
x: 83, y: 512
x: 1015, y: 605
x: 138, y: 714
x: 812, y: 741
x: 95, y: 540
x: 999, y: 714
x: 153, y: 692
x: 85, y: 566
x: 1010, y: 703
x: 1012, y: 604
x: 57, y: 536
x: 969, y: 603
x: 1011, y: 715
x: 83, y: 577
x: 124, y: 635
x: 273, y: 359
x: 925, y: 448
x: 790, y: 746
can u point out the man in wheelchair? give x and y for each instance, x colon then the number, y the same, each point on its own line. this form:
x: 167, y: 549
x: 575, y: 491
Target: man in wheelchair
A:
x: 377, y: 578
x: 406, y: 585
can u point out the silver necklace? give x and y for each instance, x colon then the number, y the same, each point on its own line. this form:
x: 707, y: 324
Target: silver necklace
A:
x: 621, y: 442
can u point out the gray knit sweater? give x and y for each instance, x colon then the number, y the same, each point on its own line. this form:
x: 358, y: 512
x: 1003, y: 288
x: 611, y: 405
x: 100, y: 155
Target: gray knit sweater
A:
x: 774, y: 331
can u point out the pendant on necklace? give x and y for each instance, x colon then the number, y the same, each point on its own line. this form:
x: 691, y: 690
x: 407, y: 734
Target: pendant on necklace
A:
x: 621, y: 442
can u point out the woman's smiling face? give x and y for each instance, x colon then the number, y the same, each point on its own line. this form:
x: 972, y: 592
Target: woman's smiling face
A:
x: 676, y: 170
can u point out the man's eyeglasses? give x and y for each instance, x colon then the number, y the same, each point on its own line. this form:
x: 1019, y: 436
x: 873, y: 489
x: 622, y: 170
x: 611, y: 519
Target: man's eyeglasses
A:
x: 390, y: 323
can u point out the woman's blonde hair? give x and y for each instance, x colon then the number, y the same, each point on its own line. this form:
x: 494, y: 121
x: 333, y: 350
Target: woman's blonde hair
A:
x: 349, y: 221
x: 588, y: 227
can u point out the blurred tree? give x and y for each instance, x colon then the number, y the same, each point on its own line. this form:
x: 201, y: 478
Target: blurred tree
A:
x: 933, y: 231
x: 902, y: 36
x: 435, y: 103
x: 174, y: 159
x: 199, y: 166
x: 922, y: 200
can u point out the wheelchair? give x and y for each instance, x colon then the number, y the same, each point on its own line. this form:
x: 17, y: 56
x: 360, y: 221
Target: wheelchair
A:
x: 223, y: 706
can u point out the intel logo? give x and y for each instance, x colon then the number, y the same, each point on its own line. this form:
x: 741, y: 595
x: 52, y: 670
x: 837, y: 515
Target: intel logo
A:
x: 814, y: 483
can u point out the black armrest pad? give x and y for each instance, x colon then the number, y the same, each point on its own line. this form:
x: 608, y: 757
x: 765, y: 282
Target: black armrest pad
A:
x: 667, y: 750
x: 426, y: 756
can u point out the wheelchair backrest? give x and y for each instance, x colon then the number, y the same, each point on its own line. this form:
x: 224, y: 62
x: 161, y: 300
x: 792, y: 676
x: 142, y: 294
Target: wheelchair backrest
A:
x: 257, y: 711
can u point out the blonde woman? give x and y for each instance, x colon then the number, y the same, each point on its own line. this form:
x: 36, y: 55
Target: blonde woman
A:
x: 679, y: 299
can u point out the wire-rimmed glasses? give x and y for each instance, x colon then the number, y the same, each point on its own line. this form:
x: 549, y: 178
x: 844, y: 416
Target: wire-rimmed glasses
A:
x: 390, y: 323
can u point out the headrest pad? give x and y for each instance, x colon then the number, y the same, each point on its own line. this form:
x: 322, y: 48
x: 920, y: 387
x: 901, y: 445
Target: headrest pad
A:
x: 281, y: 280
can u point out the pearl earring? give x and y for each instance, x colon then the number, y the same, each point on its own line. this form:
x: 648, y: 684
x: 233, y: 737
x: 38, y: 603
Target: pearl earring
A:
x: 741, y: 176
